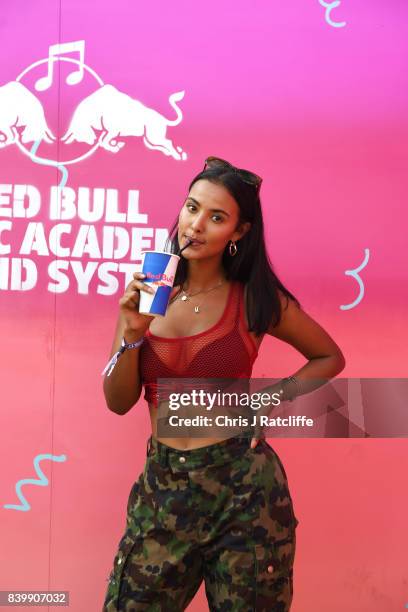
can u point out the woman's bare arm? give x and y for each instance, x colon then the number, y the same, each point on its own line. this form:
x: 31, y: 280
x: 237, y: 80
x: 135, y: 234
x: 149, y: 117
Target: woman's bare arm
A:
x: 325, y: 359
x: 123, y: 387
x: 297, y: 328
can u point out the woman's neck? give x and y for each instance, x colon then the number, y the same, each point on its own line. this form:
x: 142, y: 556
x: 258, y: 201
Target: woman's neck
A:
x: 202, y: 275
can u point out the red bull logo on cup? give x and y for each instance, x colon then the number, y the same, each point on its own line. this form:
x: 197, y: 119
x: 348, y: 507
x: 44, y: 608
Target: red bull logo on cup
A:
x: 160, y: 277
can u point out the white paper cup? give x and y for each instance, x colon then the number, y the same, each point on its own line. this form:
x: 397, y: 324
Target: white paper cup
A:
x: 160, y: 269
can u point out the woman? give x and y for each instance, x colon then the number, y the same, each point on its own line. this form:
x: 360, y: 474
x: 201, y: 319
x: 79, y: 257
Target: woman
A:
x: 210, y: 508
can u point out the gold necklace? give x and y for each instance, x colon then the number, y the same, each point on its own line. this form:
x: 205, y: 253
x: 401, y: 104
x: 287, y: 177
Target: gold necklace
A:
x: 187, y: 296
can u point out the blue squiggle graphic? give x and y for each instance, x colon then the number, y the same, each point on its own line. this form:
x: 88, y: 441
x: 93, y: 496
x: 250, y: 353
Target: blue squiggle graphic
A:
x: 329, y: 7
x: 354, y: 274
x: 49, y: 162
x: 42, y: 481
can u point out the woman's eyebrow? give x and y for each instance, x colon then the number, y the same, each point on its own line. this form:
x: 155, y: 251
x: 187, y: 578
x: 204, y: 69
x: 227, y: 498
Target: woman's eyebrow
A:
x: 212, y: 209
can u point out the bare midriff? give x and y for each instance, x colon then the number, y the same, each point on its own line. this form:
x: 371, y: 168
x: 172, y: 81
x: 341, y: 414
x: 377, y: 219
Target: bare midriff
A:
x: 179, y: 443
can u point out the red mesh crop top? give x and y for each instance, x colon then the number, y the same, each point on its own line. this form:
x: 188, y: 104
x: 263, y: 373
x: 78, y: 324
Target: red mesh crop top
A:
x: 226, y: 350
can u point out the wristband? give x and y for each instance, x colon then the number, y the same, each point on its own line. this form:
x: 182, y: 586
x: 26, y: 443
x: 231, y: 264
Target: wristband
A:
x: 124, y: 345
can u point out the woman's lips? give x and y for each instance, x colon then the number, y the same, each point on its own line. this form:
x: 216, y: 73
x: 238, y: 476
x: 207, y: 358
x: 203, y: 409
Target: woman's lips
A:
x: 194, y: 243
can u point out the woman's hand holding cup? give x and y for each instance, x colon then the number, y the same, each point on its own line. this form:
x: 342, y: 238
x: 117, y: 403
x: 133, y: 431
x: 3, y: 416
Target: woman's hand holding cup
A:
x: 135, y: 323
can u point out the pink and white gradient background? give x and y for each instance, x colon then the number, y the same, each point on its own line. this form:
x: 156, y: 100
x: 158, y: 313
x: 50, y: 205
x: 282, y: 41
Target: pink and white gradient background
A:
x: 320, y: 113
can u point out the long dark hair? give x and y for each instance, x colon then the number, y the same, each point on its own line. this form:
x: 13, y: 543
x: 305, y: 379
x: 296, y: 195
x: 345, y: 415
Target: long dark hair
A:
x: 251, y: 265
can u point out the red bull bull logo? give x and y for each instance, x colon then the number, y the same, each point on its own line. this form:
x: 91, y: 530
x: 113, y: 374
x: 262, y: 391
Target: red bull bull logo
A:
x: 104, y: 118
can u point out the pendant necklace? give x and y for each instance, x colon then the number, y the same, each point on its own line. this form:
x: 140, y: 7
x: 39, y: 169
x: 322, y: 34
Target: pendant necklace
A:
x: 186, y: 296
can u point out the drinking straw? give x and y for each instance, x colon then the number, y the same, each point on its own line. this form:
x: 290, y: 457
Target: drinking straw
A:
x: 185, y: 246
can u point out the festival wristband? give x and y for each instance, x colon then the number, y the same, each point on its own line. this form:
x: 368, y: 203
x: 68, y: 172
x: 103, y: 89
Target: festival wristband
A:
x: 109, y: 366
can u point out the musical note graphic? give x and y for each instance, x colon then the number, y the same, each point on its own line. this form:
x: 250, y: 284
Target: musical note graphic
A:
x: 355, y: 274
x: 41, y: 481
x: 60, y: 49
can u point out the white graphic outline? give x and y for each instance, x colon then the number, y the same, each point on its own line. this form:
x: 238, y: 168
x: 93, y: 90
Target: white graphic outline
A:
x: 329, y: 7
x: 103, y: 119
x: 42, y: 481
x: 355, y: 274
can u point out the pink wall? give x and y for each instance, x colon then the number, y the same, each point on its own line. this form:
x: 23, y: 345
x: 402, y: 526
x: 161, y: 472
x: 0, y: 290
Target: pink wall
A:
x: 318, y: 110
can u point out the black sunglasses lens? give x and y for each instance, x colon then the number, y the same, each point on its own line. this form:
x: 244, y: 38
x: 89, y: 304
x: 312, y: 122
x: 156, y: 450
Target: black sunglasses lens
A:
x: 248, y: 177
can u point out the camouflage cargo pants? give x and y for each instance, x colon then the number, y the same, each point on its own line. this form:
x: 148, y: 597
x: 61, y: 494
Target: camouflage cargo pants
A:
x: 222, y: 513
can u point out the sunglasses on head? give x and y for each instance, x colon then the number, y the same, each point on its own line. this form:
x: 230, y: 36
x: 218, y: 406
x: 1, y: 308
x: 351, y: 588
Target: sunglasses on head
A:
x: 245, y: 175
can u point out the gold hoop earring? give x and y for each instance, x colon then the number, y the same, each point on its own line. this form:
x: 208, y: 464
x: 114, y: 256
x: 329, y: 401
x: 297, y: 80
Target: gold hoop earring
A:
x: 233, y: 248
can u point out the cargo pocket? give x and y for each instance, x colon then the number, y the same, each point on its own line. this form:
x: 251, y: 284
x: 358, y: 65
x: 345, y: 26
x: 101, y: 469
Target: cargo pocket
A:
x: 116, y: 576
x: 127, y: 541
x: 269, y: 450
x: 274, y: 574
